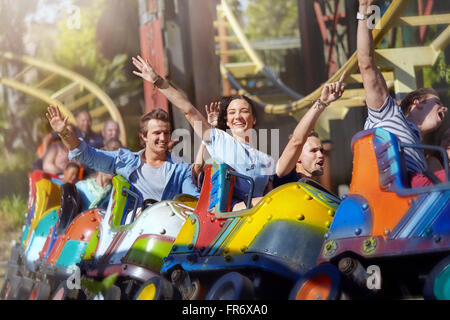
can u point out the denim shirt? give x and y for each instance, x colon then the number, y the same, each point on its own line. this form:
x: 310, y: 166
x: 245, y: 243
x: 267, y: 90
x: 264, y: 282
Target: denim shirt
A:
x: 125, y: 162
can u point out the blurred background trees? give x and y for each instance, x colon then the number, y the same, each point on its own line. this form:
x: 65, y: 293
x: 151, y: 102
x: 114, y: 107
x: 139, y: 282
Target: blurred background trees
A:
x: 100, y: 50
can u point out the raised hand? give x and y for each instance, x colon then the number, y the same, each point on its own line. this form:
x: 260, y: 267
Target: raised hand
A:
x: 146, y: 71
x: 57, y: 122
x: 213, y: 113
x: 366, y: 2
x: 172, y: 144
x: 333, y: 91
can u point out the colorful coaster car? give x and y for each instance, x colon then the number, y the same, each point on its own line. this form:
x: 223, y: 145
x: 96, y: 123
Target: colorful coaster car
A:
x: 385, y: 236
x: 44, y: 196
x: 131, y: 241
x: 63, y: 250
x: 42, y: 213
x: 259, y: 252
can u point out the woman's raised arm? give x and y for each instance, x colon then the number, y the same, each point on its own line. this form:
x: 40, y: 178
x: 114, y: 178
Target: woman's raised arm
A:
x: 195, y: 118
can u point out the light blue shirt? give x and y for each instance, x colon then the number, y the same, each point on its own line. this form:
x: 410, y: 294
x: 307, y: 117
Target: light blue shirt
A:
x: 125, y: 162
x: 150, y: 181
x: 243, y: 158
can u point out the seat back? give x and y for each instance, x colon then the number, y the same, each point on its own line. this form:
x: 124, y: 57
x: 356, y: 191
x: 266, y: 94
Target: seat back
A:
x: 70, y: 207
x: 378, y: 165
x: 122, y: 203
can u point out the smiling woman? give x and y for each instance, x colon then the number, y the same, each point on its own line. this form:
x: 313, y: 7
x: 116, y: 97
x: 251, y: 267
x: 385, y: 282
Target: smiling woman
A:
x: 235, y: 149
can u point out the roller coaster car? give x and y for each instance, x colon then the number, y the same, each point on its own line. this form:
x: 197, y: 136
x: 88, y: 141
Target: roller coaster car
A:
x: 65, y: 244
x: 386, y: 237
x: 130, y: 241
x: 255, y: 253
x: 42, y: 213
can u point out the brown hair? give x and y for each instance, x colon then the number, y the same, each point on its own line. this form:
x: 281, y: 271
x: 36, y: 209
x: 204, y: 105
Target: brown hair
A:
x: 419, y: 94
x: 225, y: 102
x: 72, y: 165
x: 157, y: 114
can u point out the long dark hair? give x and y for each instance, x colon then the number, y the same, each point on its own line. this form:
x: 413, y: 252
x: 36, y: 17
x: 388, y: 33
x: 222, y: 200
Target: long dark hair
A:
x: 225, y: 102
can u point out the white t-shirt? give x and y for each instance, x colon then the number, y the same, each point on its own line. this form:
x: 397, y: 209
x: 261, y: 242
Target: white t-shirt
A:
x: 243, y: 158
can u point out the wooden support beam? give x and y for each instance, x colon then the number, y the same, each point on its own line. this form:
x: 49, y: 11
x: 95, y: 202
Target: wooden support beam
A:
x: 417, y: 21
x: 23, y: 72
x: 218, y: 24
x: 81, y: 101
x: 46, y: 81
x: 39, y: 95
x: 69, y: 90
x: 357, y: 78
x: 241, y: 69
x: 404, y: 61
x: 235, y: 52
x: 97, y: 127
x: 226, y: 38
x: 98, y: 112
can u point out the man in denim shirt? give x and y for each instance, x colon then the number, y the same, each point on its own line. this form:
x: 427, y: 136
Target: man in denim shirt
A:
x: 152, y: 171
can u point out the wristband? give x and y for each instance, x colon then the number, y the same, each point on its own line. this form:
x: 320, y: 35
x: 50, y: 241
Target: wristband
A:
x: 361, y: 16
x: 65, y: 135
x: 158, y: 82
x: 321, y: 103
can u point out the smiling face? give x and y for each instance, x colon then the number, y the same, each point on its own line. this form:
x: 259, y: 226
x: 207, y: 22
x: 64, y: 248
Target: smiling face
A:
x: 311, y: 160
x: 157, y: 137
x: 71, y: 175
x: 429, y: 113
x: 240, y: 117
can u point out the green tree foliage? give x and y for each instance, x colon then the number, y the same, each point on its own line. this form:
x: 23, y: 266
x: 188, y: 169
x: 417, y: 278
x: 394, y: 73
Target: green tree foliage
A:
x: 79, y: 50
x: 12, y: 23
x: 272, y: 19
x: 75, y: 49
x: 12, y: 213
x: 439, y: 75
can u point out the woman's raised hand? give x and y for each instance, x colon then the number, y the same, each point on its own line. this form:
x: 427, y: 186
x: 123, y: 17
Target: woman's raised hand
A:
x: 213, y: 113
x: 57, y: 122
x: 146, y: 71
x: 333, y: 91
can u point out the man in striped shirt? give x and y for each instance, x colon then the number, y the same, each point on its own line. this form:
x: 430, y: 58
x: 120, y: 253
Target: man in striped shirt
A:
x: 420, y: 112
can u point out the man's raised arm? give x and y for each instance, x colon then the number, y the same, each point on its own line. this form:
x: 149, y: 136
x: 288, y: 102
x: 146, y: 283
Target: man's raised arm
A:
x: 374, y: 84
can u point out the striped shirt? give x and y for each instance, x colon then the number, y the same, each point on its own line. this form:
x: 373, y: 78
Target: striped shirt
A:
x: 391, y: 117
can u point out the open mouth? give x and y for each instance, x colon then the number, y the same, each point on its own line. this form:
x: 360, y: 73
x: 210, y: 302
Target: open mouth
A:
x: 239, y: 124
x: 320, y: 163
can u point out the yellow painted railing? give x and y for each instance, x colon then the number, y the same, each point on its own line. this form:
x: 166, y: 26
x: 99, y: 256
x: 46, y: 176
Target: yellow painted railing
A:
x: 78, y: 84
x: 400, y: 65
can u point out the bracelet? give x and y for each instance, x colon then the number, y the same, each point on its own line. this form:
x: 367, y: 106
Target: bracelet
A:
x: 361, y: 16
x: 321, y: 103
x: 158, y: 82
x: 65, y: 135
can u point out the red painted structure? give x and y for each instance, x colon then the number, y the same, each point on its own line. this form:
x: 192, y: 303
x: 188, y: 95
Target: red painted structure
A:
x: 152, y: 49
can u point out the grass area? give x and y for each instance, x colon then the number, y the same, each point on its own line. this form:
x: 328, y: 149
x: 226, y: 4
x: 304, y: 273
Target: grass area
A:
x: 12, y: 218
x: 12, y: 214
